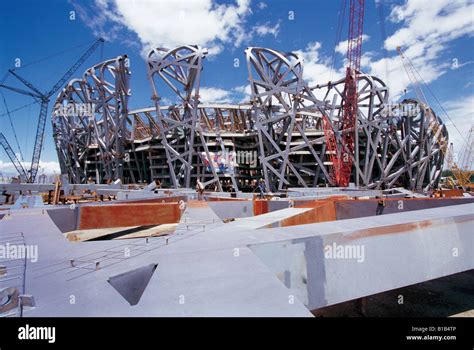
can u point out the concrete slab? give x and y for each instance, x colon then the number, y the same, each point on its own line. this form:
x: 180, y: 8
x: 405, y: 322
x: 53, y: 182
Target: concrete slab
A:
x: 240, y: 268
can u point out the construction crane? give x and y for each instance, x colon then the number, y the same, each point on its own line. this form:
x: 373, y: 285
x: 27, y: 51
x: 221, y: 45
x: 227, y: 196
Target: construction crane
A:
x: 44, y: 98
x: 433, y: 122
x: 341, y: 157
x: 16, y: 163
x: 462, y: 172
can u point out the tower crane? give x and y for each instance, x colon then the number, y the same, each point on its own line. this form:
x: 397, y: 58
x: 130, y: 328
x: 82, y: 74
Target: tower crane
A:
x: 44, y: 98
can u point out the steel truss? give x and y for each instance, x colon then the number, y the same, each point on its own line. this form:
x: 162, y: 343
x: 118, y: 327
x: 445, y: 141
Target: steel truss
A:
x: 394, y: 145
x: 89, y: 122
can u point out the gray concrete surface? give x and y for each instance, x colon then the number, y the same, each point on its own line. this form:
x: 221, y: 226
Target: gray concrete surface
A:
x: 208, y: 268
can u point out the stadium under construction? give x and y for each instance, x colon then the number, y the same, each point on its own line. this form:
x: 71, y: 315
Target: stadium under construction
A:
x: 299, y: 198
x: 278, y: 135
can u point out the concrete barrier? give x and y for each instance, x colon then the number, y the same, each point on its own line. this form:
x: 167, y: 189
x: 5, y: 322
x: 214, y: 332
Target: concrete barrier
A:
x: 351, y: 209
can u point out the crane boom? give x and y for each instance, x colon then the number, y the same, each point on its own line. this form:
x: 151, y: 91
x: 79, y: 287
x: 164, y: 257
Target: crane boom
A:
x: 44, y: 109
x: 13, y: 158
x: 76, y: 65
x: 25, y: 82
x: 20, y: 91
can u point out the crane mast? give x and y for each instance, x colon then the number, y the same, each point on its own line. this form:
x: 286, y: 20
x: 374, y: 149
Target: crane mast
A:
x: 341, y: 157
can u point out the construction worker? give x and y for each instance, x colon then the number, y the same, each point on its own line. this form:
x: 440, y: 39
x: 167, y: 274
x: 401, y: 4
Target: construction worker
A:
x: 380, y: 205
x: 7, y: 196
x: 381, y: 200
x: 262, y: 188
x: 199, y: 189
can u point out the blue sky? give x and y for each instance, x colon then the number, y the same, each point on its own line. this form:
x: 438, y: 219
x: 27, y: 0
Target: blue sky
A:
x: 437, y: 35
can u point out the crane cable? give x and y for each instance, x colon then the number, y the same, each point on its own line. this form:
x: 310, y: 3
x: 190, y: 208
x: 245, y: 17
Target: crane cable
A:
x: 4, y: 78
x: 20, y: 108
x: 102, y: 52
x: 383, y: 35
x: 11, y: 124
x: 53, y: 55
x: 342, y: 13
x: 37, y: 61
x: 439, y: 103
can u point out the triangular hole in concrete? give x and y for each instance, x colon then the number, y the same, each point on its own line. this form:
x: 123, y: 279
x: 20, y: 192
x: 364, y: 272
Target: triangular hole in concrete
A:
x: 132, y: 284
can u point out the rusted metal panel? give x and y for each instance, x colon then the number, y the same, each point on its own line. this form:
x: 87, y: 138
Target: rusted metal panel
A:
x: 311, y: 203
x: 163, y: 199
x: 452, y: 193
x: 214, y: 198
x: 260, y: 206
x: 122, y: 215
x: 324, y: 211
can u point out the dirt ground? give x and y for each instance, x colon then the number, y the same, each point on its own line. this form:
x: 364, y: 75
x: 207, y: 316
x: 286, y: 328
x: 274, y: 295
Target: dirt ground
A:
x: 443, y: 297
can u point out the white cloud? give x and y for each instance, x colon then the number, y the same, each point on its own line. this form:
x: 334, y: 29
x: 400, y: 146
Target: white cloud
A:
x: 456, y: 64
x: 172, y: 23
x: 7, y: 168
x: 244, y: 91
x: 426, y: 29
x: 341, y: 47
x: 316, y: 70
x: 238, y: 94
x: 430, y: 22
x: 461, y: 112
x: 165, y: 101
x: 266, y: 29
x: 214, y: 95
x: 422, y: 39
x: 99, y: 19
x: 261, y: 5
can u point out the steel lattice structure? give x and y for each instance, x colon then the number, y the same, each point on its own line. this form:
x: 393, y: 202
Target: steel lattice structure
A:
x: 278, y: 135
x: 89, y: 122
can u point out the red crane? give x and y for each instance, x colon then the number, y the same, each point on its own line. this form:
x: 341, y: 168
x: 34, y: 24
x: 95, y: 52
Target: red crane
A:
x: 340, y: 156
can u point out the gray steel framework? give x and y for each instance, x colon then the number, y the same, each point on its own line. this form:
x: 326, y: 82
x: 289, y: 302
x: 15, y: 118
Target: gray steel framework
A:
x: 395, y: 145
x: 277, y: 79
x: 180, y: 69
x: 89, y: 122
